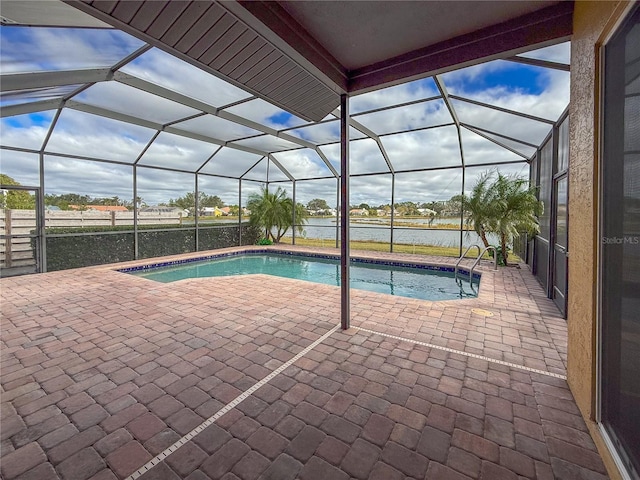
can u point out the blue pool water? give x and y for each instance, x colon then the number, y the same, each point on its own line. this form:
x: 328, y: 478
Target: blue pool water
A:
x: 404, y: 281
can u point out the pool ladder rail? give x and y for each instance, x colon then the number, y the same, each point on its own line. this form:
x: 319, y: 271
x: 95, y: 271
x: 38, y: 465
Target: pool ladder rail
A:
x: 478, y: 258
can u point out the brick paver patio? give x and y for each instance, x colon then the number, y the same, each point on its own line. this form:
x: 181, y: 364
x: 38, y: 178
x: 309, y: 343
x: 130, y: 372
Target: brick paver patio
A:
x: 104, y: 373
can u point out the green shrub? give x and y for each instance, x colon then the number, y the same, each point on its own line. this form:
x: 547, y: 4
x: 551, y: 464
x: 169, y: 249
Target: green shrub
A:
x: 88, y: 250
x: 501, y: 259
x: 99, y: 245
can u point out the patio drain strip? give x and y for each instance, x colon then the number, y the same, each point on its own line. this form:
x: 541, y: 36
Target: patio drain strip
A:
x: 466, y: 354
x: 233, y: 403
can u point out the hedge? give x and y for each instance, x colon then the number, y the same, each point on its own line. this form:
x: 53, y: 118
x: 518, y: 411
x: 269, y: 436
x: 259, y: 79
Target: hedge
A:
x: 99, y: 247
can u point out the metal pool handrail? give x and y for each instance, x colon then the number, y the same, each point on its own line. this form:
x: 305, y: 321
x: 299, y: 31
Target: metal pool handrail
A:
x: 455, y: 271
x: 495, y: 260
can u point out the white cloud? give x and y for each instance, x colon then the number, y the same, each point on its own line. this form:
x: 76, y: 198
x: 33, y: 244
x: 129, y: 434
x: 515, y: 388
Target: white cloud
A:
x: 225, y: 188
x: 82, y: 134
x: 560, y: 53
x: 263, y: 112
x: 230, y: 162
x: 421, y: 115
x: 62, y: 49
x: 25, y: 131
x: 21, y: 166
x: 174, y: 151
x: 159, y: 67
x: 402, y: 93
x: 303, y: 163
x: 96, y: 179
x: 431, y: 148
x: 132, y: 101
x: 78, y: 133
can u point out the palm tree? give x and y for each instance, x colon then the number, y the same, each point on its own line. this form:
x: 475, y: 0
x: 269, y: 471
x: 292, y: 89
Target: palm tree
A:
x: 506, y: 207
x: 516, y: 210
x: 274, y: 212
x: 478, y: 207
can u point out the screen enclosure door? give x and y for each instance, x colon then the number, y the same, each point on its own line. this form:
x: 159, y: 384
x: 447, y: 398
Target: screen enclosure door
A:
x: 20, y: 230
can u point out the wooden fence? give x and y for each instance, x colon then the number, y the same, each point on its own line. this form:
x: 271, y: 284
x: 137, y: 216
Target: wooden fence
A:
x: 17, y: 252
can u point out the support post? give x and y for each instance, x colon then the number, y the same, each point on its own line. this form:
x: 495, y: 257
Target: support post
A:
x: 239, y: 212
x: 338, y: 212
x: 462, y: 210
x: 393, y: 208
x: 293, y: 216
x: 344, y: 213
x: 136, y: 243
x: 42, y: 233
x: 196, y: 218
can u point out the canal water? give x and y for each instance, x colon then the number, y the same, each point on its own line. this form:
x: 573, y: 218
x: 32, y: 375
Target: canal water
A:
x: 325, y: 228
x: 378, y: 230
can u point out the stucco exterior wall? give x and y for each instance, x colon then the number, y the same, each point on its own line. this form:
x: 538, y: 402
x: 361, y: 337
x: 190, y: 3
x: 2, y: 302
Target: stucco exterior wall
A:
x: 592, y: 22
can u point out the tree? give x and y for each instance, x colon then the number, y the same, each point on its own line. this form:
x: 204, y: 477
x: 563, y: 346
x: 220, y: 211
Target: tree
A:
x: 15, y: 199
x: 318, y: 204
x: 407, y: 208
x: 273, y: 211
x: 64, y: 200
x: 188, y: 202
x: 505, y: 207
x: 478, y: 207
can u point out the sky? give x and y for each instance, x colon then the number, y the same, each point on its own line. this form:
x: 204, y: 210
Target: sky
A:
x: 432, y: 143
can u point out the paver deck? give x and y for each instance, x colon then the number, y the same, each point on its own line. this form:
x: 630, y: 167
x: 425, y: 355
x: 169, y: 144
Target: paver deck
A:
x: 110, y: 376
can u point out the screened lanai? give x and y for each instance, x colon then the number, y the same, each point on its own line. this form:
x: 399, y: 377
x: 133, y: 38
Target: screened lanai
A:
x: 90, y: 110
x: 114, y: 112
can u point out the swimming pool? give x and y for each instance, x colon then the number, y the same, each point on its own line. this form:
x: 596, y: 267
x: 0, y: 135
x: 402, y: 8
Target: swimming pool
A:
x: 424, y: 282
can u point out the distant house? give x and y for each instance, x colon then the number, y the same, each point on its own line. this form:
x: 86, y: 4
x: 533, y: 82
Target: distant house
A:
x: 362, y: 212
x: 100, y: 208
x: 427, y: 212
x: 386, y: 212
x: 214, y: 211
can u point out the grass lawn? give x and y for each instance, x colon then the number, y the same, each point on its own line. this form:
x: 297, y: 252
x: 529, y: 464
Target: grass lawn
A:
x: 384, y: 247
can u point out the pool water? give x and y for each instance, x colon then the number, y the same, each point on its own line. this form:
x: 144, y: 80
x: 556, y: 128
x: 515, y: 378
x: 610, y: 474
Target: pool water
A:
x: 390, y: 279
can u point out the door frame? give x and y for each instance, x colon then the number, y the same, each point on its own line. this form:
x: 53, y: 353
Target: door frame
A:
x: 553, y: 252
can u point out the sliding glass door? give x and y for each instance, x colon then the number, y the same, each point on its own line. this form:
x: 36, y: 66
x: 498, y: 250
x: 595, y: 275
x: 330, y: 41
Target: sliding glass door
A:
x: 620, y: 244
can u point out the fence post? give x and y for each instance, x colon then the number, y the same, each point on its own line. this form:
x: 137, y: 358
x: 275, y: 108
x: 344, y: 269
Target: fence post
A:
x: 113, y: 218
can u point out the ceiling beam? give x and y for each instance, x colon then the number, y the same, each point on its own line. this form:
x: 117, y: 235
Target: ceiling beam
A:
x: 122, y: 117
x: 204, y: 107
x: 493, y: 140
x: 30, y: 107
x: 34, y: 80
x: 502, y: 109
x: 369, y: 133
x: 536, y: 62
